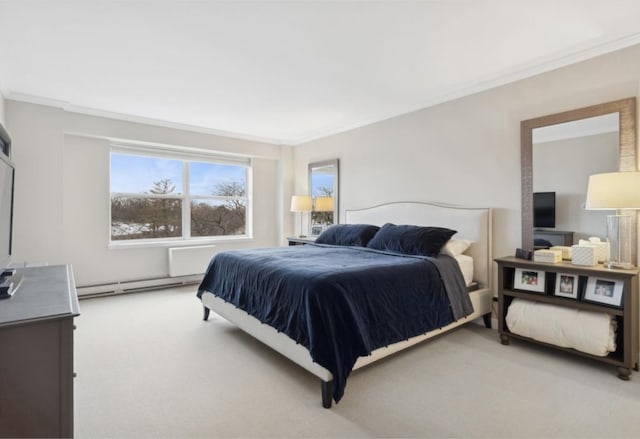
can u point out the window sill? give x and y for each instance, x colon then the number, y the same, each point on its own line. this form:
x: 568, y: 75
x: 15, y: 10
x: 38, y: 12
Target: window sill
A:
x: 121, y: 245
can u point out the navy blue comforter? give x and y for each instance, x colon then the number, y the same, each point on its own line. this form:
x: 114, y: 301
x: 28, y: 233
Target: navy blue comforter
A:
x: 339, y: 302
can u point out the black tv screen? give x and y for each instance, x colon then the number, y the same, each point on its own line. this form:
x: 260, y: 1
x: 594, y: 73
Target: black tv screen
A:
x: 6, y: 200
x: 6, y: 210
x: 544, y: 209
x: 5, y: 142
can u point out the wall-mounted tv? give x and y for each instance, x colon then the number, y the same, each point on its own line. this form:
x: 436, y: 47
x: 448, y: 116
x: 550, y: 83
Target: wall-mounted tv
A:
x: 544, y: 209
x: 6, y: 214
x: 5, y: 142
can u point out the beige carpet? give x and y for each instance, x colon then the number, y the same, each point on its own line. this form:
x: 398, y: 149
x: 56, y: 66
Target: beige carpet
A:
x: 148, y: 366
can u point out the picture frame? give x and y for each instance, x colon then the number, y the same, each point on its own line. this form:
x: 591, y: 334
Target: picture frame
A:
x: 566, y: 285
x: 529, y: 280
x: 604, y: 291
x: 317, y: 229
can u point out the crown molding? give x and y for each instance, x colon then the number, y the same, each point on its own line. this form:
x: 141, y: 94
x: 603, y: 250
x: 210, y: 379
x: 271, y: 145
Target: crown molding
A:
x: 87, y: 111
x: 37, y: 100
x: 524, y: 71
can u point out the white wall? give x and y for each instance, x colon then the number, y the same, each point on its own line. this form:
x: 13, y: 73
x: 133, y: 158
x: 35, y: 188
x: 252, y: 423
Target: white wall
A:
x: 2, y: 121
x: 62, y: 191
x: 465, y: 151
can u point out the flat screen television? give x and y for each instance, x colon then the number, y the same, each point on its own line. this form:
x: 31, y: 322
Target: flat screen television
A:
x: 7, y: 173
x: 5, y: 142
x: 544, y: 209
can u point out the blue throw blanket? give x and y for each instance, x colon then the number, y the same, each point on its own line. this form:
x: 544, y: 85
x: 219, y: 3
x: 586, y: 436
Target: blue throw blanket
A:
x: 340, y: 302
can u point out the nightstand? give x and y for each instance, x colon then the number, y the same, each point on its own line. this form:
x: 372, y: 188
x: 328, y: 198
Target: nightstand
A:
x: 294, y: 240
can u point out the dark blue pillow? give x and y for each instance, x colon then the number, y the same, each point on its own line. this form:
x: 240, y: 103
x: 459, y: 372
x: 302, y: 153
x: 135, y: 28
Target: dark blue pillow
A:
x: 348, y: 234
x: 411, y: 240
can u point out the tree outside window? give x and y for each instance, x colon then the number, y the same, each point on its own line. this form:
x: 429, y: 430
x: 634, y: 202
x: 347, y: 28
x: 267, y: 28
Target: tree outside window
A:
x: 158, y: 198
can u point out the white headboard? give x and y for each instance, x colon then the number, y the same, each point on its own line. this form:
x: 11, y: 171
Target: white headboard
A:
x: 471, y: 223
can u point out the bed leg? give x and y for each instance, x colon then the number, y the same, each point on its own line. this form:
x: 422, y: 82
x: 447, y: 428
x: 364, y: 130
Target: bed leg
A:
x: 206, y: 313
x: 327, y: 391
x: 487, y: 320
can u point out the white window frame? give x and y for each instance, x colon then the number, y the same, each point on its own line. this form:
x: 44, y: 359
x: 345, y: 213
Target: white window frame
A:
x: 185, y: 155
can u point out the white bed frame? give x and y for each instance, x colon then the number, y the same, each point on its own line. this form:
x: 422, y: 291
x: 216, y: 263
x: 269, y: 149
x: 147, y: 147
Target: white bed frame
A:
x: 471, y: 223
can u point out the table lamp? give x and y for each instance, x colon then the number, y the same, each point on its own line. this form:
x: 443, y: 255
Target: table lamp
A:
x: 301, y: 204
x: 323, y: 204
x: 616, y: 191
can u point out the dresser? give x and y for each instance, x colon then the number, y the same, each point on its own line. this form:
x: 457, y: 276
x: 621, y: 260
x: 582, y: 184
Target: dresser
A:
x: 36, y: 354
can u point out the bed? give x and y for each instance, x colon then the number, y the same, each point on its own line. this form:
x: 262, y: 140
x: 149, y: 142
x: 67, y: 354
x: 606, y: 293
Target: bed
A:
x: 332, y: 357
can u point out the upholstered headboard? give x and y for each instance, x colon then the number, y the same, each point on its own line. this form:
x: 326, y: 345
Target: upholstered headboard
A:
x: 472, y: 223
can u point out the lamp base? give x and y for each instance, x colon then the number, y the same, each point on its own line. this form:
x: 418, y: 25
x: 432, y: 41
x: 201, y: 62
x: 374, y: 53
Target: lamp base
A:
x: 620, y: 265
x: 619, y: 237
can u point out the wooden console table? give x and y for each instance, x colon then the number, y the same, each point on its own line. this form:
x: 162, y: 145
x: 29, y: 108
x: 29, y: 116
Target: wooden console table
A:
x: 36, y: 354
x: 625, y: 358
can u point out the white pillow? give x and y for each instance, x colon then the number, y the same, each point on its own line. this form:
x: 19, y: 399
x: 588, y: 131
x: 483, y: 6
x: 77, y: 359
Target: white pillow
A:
x: 466, y: 266
x: 455, y: 247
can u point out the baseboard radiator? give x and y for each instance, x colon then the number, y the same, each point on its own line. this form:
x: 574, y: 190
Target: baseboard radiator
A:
x: 132, y: 286
x: 184, y: 261
x: 186, y: 266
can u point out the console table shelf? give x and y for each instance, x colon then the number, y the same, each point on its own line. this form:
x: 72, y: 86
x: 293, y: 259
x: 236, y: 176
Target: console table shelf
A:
x: 562, y: 301
x: 626, y: 355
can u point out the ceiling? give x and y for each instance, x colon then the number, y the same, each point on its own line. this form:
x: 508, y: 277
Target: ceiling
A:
x: 287, y: 72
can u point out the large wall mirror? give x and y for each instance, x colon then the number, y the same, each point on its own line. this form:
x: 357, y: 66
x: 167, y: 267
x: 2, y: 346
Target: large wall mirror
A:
x: 323, y: 186
x: 558, y: 154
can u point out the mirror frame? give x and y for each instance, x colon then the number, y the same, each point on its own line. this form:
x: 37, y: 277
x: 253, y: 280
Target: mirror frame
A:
x: 336, y: 188
x: 627, y: 153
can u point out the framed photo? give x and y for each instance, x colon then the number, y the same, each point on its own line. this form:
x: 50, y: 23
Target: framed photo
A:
x: 603, y: 290
x: 566, y: 285
x: 529, y: 280
x: 317, y: 229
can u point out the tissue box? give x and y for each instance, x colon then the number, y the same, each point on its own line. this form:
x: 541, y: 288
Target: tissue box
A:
x: 550, y: 256
x: 602, y: 248
x: 566, y: 251
x: 584, y: 255
x: 602, y: 251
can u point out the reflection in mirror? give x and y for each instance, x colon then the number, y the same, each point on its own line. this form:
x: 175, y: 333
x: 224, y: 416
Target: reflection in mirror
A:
x: 323, y: 185
x: 564, y: 156
x: 558, y: 155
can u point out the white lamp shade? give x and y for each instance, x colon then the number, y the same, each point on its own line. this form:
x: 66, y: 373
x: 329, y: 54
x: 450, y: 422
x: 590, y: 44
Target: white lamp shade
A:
x: 301, y: 203
x: 324, y: 204
x: 613, y: 190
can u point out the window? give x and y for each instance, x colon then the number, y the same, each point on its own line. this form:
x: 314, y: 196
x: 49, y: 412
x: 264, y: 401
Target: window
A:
x: 157, y: 195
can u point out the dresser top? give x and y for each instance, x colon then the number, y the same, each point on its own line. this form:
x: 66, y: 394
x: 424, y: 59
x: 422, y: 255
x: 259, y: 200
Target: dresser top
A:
x: 43, y: 293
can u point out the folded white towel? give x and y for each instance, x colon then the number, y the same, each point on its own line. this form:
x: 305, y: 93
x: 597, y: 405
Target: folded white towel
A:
x: 585, y: 331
